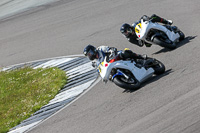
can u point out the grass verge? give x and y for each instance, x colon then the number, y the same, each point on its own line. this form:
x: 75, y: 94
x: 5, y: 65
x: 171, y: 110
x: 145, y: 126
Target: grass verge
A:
x: 26, y: 90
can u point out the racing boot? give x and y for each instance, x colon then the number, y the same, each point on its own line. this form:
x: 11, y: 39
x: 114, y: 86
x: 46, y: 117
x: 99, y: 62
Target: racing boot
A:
x: 170, y: 22
x: 164, y: 21
x: 156, y: 18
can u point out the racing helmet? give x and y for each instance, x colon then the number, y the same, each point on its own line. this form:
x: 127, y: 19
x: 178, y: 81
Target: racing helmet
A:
x: 126, y: 29
x: 90, y: 51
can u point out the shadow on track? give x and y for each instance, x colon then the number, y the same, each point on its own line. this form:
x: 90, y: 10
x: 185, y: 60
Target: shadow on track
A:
x: 153, y: 79
x: 185, y: 41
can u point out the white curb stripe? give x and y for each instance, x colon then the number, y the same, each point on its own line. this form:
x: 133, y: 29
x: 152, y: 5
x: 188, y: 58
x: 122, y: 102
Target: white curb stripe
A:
x: 81, y: 69
x: 71, y: 93
x: 24, y: 128
x: 53, y: 63
x: 80, y: 78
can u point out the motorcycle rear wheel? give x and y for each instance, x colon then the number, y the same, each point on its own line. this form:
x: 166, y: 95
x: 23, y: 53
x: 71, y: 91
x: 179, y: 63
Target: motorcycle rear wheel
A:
x: 119, y: 81
x: 159, y: 68
x: 158, y: 41
x: 182, y: 35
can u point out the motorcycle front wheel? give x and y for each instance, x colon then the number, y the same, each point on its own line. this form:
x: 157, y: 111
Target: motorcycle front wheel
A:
x: 131, y: 83
x: 160, y: 42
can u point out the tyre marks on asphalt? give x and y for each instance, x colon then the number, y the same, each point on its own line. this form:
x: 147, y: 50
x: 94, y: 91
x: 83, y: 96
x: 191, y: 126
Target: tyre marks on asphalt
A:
x: 81, y: 75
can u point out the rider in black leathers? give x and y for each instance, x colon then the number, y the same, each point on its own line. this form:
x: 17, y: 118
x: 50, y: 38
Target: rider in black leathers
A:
x: 129, y: 30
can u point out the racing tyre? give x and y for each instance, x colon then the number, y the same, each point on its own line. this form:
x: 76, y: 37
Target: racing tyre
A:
x: 159, y: 68
x: 158, y: 41
x: 132, y: 83
x: 182, y: 35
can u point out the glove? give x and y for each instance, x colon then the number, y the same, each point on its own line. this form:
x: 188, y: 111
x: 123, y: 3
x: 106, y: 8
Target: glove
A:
x: 144, y: 56
x: 145, y: 18
x: 94, y: 64
x: 112, y: 50
x: 140, y: 43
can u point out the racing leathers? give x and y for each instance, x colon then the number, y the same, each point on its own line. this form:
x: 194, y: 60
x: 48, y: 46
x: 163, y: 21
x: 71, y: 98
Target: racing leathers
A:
x: 111, y: 52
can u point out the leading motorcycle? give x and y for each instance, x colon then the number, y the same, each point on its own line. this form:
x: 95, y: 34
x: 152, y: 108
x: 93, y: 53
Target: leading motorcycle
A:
x: 129, y: 74
x: 153, y: 33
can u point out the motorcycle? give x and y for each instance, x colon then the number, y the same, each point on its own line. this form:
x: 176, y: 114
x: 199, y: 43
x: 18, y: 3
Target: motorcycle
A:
x: 153, y: 33
x: 129, y: 74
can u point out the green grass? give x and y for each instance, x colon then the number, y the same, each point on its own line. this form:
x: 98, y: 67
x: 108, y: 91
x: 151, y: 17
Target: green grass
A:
x: 26, y: 90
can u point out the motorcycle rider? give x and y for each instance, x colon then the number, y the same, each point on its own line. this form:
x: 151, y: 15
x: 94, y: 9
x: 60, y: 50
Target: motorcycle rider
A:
x: 129, y: 30
x: 101, y: 52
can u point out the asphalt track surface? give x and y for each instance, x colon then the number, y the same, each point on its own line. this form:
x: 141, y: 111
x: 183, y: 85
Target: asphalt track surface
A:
x: 166, y: 104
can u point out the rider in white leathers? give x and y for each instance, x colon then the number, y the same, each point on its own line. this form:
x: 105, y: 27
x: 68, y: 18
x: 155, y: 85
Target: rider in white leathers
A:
x: 98, y: 54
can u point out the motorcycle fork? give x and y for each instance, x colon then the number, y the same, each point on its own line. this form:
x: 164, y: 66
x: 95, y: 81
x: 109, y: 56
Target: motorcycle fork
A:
x: 119, y: 73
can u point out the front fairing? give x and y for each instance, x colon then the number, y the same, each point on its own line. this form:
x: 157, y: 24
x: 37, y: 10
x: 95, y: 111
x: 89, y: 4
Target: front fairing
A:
x: 140, y: 73
x: 141, y: 29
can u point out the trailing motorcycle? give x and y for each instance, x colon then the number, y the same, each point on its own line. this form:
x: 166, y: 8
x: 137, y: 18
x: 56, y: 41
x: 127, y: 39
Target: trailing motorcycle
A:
x: 129, y: 74
x: 153, y: 33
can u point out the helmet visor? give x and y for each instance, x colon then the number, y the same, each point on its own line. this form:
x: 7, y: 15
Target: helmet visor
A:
x: 91, y: 54
x: 127, y: 32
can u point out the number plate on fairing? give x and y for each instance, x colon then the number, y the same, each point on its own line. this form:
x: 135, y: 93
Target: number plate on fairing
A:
x: 138, y: 28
